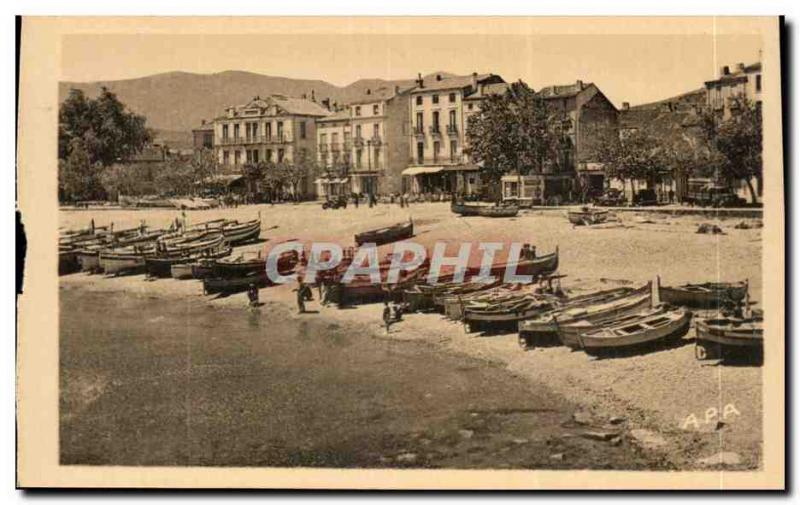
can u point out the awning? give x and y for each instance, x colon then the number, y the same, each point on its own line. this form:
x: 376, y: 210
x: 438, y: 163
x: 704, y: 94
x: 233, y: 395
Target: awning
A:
x: 464, y: 167
x: 323, y: 180
x: 422, y: 170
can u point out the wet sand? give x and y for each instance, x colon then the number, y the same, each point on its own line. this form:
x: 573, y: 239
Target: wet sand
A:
x: 657, y: 391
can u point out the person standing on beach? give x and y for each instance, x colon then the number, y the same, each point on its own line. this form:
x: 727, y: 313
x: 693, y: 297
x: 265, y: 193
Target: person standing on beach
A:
x: 387, y: 316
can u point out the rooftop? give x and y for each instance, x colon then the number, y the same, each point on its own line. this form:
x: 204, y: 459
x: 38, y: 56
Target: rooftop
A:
x: 439, y: 82
x: 564, y: 91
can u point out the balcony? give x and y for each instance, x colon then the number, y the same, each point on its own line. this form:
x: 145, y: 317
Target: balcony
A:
x: 323, y: 148
x: 452, y: 130
x: 419, y: 131
x: 375, y: 140
x: 435, y: 131
x: 358, y: 141
x: 437, y: 160
x: 262, y: 139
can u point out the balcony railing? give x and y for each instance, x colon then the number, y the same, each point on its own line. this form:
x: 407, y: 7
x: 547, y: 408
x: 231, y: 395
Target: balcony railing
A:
x: 419, y: 130
x: 262, y: 139
x: 376, y: 140
x: 452, y: 130
x: 434, y: 129
x: 358, y: 141
x: 437, y: 160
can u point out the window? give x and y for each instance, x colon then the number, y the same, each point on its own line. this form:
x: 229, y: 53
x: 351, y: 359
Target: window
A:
x: 268, y: 130
x: 280, y: 153
x: 236, y: 131
x: 377, y: 157
x: 420, y: 153
x: 376, y: 109
x: 359, y: 157
x: 323, y: 139
x: 237, y: 157
x: 255, y: 155
x: 376, y: 131
x: 248, y: 153
x: 225, y: 132
x: 280, y: 130
x: 334, y: 139
x: 453, y: 150
x: 268, y: 156
x: 208, y: 140
x: 226, y: 157
x: 358, y: 111
x: 255, y: 130
x: 420, y: 125
x: 469, y: 107
x: 436, y: 148
x: 358, y: 131
x: 419, y: 100
x: 436, y: 121
x: 435, y: 98
x: 452, y: 119
x: 302, y: 129
x: 758, y: 82
x: 452, y: 98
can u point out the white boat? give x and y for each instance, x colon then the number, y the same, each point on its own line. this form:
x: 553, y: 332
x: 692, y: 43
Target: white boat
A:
x: 660, y: 323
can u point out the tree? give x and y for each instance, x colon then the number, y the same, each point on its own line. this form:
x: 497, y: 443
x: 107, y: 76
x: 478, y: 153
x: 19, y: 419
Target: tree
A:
x: 516, y: 133
x: 78, y: 177
x: 737, y: 142
x: 633, y: 156
x: 295, y: 173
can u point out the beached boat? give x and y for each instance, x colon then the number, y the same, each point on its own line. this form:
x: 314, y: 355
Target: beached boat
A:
x: 386, y: 235
x: 159, y: 265
x: 508, y: 312
x: 708, y: 295
x: 181, y: 271
x: 123, y: 261
x: 68, y: 261
x: 545, y: 328
x: 202, y: 268
x: 498, y: 211
x: 450, y: 290
x: 240, y: 233
x: 230, y: 285
x: 587, y: 216
x: 466, y: 208
x: 454, y: 305
x: 659, y: 324
x: 721, y: 332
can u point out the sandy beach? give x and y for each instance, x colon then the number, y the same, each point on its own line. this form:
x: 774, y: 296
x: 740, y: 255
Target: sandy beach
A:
x: 655, y: 397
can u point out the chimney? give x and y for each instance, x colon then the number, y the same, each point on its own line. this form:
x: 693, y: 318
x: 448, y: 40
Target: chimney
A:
x: 313, y: 99
x: 202, y: 122
x: 740, y: 67
x: 327, y: 103
x: 369, y: 91
x: 725, y: 70
x: 304, y: 96
x: 475, y: 80
x: 579, y: 85
x: 396, y: 89
x: 438, y: 77
x: 420, y: 82
x: 626, y: 106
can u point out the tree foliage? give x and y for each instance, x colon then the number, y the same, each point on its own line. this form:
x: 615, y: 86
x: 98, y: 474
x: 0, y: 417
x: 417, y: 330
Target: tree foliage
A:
x: 78, y: 177
x: 736, y: 143
x: 516, y: 133
x: 635, y: 155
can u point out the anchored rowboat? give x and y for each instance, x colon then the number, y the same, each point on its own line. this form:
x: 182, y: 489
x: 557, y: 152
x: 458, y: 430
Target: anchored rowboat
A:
x: 659, y: 324
x: 466, y: 209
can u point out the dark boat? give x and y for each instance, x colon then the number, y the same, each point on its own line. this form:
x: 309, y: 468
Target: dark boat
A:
x: 466, y: 208
x: 230, y: 285
x: 587, y: 216
x: 708, y: 295
x: 240, y: 233
x: 723, y: 332
x: 160, y: 264
x: 68, y: 261
x: 386, y: 235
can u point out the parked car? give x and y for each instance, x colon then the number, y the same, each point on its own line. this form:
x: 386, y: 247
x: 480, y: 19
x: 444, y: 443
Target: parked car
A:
x: 611, y: 198
x: 645, y: 197
x: 335, y: 203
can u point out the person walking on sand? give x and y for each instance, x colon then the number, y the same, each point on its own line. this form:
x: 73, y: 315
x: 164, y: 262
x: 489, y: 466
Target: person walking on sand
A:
x: 252, y: 294
x: 387, y: 316
x: 303, y: 295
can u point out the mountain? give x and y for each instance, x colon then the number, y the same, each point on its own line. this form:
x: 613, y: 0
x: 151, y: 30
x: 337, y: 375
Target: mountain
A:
x: 178, y: 101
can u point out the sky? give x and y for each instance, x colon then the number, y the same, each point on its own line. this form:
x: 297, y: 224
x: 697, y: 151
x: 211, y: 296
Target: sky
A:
x: 627, y: 68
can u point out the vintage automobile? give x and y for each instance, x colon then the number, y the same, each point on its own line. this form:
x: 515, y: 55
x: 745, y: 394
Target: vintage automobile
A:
x: 335, y: 203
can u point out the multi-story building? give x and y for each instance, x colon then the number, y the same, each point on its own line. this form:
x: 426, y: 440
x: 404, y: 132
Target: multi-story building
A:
x: 439, y: 107
x: 275, y: 129
x: 364, y: 147
x: 379, y: 151
x: 334, y: 146
x: 744, y: 80
x: 203, y: 136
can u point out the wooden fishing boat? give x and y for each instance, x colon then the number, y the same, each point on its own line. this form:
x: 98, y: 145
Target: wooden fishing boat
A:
x: 89, y: 258
x: 536, y: 267
x: 720, y: 332
x: 708, y: 295
x: 587, y: 216
x: 240, y: 233
x: 658, y: 324
x: 545, y: 328
x: 160, y: 265
x: 459, y: 289
x: 202, y: 268
x: 508, y: 312
x: 454, y: 305
x: 181, y: 271
x: 498, y: 211
x: 123, y: 261
x: 466, y: 208
x: 570, y: 330
x: 230, y: 285
x: 386, y: 235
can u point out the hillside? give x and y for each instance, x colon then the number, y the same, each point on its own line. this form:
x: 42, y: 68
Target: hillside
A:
x: 178, y: 101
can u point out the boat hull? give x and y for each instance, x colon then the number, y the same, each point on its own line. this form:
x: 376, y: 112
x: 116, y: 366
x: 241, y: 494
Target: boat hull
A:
x: 602, y: 342
x: 227, y: 286
x: 498, y: 211
x: 691, y: 296
x: 89, y: 261
x: 121, y: 264
x: 587, y: 218
x: 385, y: 236
x: 68, y: 262
x: 181, y: 271
x: 729, y: 335
x: 241, y: 234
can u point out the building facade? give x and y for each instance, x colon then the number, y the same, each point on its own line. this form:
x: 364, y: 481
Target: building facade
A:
x: 203, y: 136
x: 334, y: 154
x: 439, y: 108
x: 742, y: 80
x: 275, y: 129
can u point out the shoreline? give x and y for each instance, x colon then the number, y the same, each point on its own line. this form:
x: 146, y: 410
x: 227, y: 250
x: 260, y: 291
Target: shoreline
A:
x: 659, y: 437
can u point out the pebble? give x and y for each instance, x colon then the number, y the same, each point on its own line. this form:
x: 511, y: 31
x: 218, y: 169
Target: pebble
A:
x: 520, y: 441
x: 721, y: 458
x: 466, y: 433
x: 648, y: 439
x: 407, y: 457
